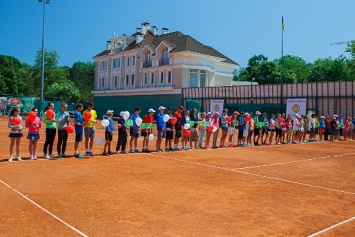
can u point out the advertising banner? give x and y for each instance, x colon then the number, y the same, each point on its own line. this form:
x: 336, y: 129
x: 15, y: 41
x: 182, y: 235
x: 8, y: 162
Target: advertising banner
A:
x: 216, y: 106
x: 296, y: 106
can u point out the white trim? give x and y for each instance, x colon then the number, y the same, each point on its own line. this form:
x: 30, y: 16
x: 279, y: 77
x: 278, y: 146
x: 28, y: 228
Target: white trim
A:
x: 139, y: 91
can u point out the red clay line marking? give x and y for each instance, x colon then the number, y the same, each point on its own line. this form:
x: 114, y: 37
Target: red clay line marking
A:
x: 256, y: 175
x: 331, y: 227
x: 45, y: 210
x: 295, y: 161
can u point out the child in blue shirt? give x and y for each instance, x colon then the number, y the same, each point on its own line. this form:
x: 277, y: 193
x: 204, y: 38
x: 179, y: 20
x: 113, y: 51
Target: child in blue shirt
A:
x: 78, y: 121
x: 122, y: 135
x: 110, y: 129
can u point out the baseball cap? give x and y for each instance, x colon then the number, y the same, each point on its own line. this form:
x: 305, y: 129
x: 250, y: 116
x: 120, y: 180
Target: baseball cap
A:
x: 151, y: 110
x: 335, y: 115
x: 170, y: 108
x: 242, y: 112
x: 209, y: 113
x: 247, y: 113
x: 121, y: 113
x: 109, y: 112
x: 257, y: 112
x: 161, y: 107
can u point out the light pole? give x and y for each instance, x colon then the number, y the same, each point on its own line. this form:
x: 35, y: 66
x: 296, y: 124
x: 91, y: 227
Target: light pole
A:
x: 42, y: 74
x: 251, y: 89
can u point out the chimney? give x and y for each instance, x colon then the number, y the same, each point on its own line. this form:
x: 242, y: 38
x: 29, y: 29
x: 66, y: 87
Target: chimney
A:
x: 165, y: 30
x: 154, y: 30
x: 143, y: 28
x: 138, y: 30
x: 108, y: 45
x: 139, y: 38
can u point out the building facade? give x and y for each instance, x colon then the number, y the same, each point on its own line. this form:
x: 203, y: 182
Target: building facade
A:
x: 148, y: 65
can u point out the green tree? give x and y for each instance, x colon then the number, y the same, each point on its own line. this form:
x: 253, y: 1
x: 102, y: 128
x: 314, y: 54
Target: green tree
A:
x: 296, y: 69
x: 82, y: 74
x: 11, y: 80
x: 65, y: 90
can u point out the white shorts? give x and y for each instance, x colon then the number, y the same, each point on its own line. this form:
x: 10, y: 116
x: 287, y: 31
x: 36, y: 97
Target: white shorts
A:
x: 231, y: 131
x: 245, y: 133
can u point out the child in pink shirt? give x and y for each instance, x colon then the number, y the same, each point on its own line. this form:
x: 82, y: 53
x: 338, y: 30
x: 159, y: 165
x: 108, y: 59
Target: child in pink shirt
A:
x: 33, y: 134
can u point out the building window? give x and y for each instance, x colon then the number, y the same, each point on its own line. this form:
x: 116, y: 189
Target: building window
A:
x: 169, y: 77
x: 128, y: 61
x: 147, y: 62
x: 164, y: 60
x: 145, y: 79
x: 103, y: 83
x: 161, y: 77
x: 133, y: 60
x: 117, y: 63
x: 127, y: 80
x: 103, y: 65
x: 116, y: 81
x: 202, y: 78
x: 132, y: 80
x: 193, y: 78
x: 152, y: 79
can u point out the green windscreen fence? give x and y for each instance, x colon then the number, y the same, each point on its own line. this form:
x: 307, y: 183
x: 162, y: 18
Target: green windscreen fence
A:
x: 193, y: 104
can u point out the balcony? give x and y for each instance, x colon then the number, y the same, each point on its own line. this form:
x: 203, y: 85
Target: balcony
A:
x: 164, y: 61
x: 147, y: 64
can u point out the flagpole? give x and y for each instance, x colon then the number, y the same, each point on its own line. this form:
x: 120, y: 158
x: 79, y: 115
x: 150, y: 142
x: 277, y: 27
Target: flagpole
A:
x: 282, y: 58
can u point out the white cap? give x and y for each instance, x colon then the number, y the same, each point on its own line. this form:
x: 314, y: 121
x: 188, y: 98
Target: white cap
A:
x: 121, y: 113
x: 322, y: 117
x: 109, y: 111
x: 335, y: 115
x: 257, y: 112
x: 151, y: 110
x: 246, y: 114
x: 161, y: 107
x: 209, y: 113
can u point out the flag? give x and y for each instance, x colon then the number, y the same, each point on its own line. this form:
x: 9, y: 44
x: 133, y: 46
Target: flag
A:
x: 283, y: 24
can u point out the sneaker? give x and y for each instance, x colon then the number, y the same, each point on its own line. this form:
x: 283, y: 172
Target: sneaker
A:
x: 31, y: 157
x: 208, y: 147
x: 34, y: 157
x: 51, y: 156
x: 60, y: 156
x: 123, y: 152
x: 158, y: 150
x: 167, y: 150
x: 10, y: 159
x: 144, y: 150
x: 278, y: 143
x: 118, y: 152
x: 197, y: 147
x: 270, y: 143
x: 104, y: 153
x: 131, y: 151
x: 91, y: 154
x: 177, y: 149
x: 47, y: 156
x: 18, y: 158
x: 171, y: 149
x: 110, y: 153
x: 185, y: 148
x: 64, y: 155
x: 87, y: 153
x: 78, y: 155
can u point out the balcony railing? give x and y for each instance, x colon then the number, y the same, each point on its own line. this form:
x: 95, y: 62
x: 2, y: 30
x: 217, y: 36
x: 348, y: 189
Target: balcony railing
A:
x: 164, y: 61
x: 147, y: 64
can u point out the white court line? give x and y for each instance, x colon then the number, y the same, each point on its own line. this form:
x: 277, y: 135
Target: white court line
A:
x: 295, y: 161
x: 256, y: 175
x: 331, y: 227
x: 45, y: 210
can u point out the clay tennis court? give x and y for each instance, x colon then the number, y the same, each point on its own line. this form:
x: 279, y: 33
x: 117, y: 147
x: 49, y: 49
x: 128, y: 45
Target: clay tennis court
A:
x: 288, y: 190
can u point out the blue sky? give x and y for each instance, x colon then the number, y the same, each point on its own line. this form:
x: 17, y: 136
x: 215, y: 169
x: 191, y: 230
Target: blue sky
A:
x: 79, y: 29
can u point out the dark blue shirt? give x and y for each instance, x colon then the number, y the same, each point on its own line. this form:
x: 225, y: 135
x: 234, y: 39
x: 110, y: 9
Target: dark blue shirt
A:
x: 241, y: 125
x: 78, y: 118
x: 122, y: 130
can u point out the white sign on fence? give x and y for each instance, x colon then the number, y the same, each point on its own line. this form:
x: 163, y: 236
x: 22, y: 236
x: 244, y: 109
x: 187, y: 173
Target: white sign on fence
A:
x: 216, y: 106
x: 296, y: 106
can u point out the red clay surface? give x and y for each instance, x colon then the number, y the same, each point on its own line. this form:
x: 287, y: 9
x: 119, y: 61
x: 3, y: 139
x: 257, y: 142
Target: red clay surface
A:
x: 287, y: 190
